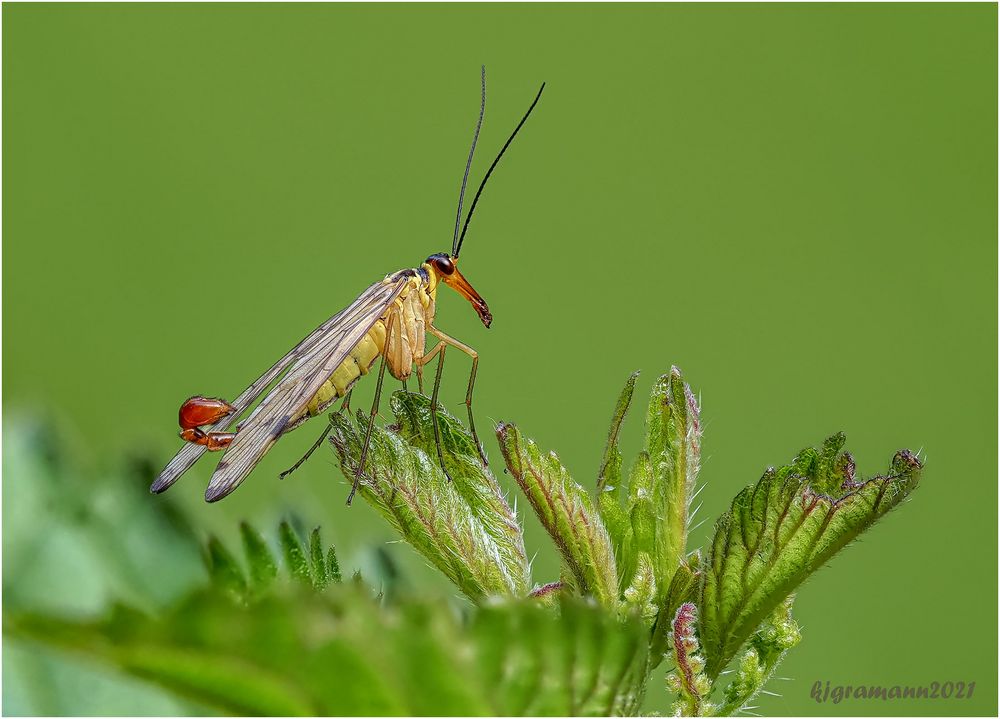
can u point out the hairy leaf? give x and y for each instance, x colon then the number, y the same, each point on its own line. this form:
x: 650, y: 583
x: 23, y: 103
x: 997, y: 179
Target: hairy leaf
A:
x: 295, y: 557
x: 768, y: 647
x: 263, y: 568
x: 464, y: 527
x: 673, y: 449
x: 683, y: 588
x: 782, y: 529
x: 567, y: 513
x: 609, y: 486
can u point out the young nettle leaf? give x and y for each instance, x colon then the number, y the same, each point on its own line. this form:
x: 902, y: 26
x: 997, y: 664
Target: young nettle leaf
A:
x: 295, y: 557
x: 767, y: 647
x: 263, y: 568
x: 683, y: 588
x: 609, y: 482
x: 332, y: 566
x: 473, y: 482
x: 641, y: 593
x: 673, y: 444
x: 688, y: 680
x: 782, y: 529
x: 464, y: 527
x: 656, y: 513
x: 317, y: 561
x: 225, y: 571
x: 585, y: 662
x: 567, y: 513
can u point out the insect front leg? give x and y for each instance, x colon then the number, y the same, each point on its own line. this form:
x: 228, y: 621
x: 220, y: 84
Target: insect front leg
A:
x: 446, y: 339
x: 197, y: 412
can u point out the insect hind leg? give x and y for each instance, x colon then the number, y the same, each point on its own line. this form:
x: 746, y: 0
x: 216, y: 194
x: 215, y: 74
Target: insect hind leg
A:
x: 345, y: 407
x: 371, y: 418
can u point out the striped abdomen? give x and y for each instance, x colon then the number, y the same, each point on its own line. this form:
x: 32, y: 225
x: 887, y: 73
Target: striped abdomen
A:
x: 409, y: 316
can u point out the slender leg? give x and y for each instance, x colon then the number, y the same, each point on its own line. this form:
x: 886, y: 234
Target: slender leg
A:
x: 343, y: 407
x: 420, y: 377
x: 472, y: 382
x: 440, y: 348
x: 404, y: 385
x: 371, y: 418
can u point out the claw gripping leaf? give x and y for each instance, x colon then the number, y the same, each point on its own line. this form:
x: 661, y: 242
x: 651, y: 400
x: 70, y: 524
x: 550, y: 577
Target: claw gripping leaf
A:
x: 782, y: 529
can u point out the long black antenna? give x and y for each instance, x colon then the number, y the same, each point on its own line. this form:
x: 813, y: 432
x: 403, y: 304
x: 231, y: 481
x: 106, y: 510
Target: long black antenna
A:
x: 503, y: 149
x: 468, y: 165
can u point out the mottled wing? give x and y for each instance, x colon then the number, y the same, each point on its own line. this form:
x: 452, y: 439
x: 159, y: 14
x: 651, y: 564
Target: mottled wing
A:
x: 190, y: 453
x: 267, y: 422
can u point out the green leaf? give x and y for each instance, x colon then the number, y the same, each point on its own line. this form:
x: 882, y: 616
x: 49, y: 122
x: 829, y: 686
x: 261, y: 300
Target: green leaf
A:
x: 263, y: 568
x: 655, y: 517
x: 683, y: 588
x: 768, y: 646
x: 317, y: 560
x: 688, y: 679
x: 295, y: 558
x: 332, y: 565
x: 673, y: 450
x: 609, y: 485
x: 567, y: 513
x: 583, y: 663
x: 464, y: 527
x: 335, y: 653
x: 782, y: 529
x: 609, y: 478
x: 224, y: 570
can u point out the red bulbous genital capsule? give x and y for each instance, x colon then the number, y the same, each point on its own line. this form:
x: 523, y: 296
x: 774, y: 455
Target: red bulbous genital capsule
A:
x: 199, y: 411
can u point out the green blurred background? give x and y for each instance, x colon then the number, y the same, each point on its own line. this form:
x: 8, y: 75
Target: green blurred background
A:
x: 795, y: 204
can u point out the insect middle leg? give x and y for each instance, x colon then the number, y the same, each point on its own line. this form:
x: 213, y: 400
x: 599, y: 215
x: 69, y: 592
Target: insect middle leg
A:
x: 345, y: 407
x: 461, y: 346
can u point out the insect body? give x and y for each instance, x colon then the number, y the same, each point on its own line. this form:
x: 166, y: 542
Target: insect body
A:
x: 390, y: 320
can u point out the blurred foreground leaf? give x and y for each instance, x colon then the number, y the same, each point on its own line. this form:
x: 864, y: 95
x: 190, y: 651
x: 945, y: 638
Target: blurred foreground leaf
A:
x: 339, y: 652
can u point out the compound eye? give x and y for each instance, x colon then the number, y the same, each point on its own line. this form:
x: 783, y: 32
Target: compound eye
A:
x: 444, y: 265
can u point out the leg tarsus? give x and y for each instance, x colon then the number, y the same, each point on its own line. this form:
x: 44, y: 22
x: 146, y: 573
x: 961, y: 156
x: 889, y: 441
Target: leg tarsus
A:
x: 472, y: 419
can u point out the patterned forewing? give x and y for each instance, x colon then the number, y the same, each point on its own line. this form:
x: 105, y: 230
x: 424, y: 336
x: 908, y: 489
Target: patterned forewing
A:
x: 259, y: 432
x: 190, y: 453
